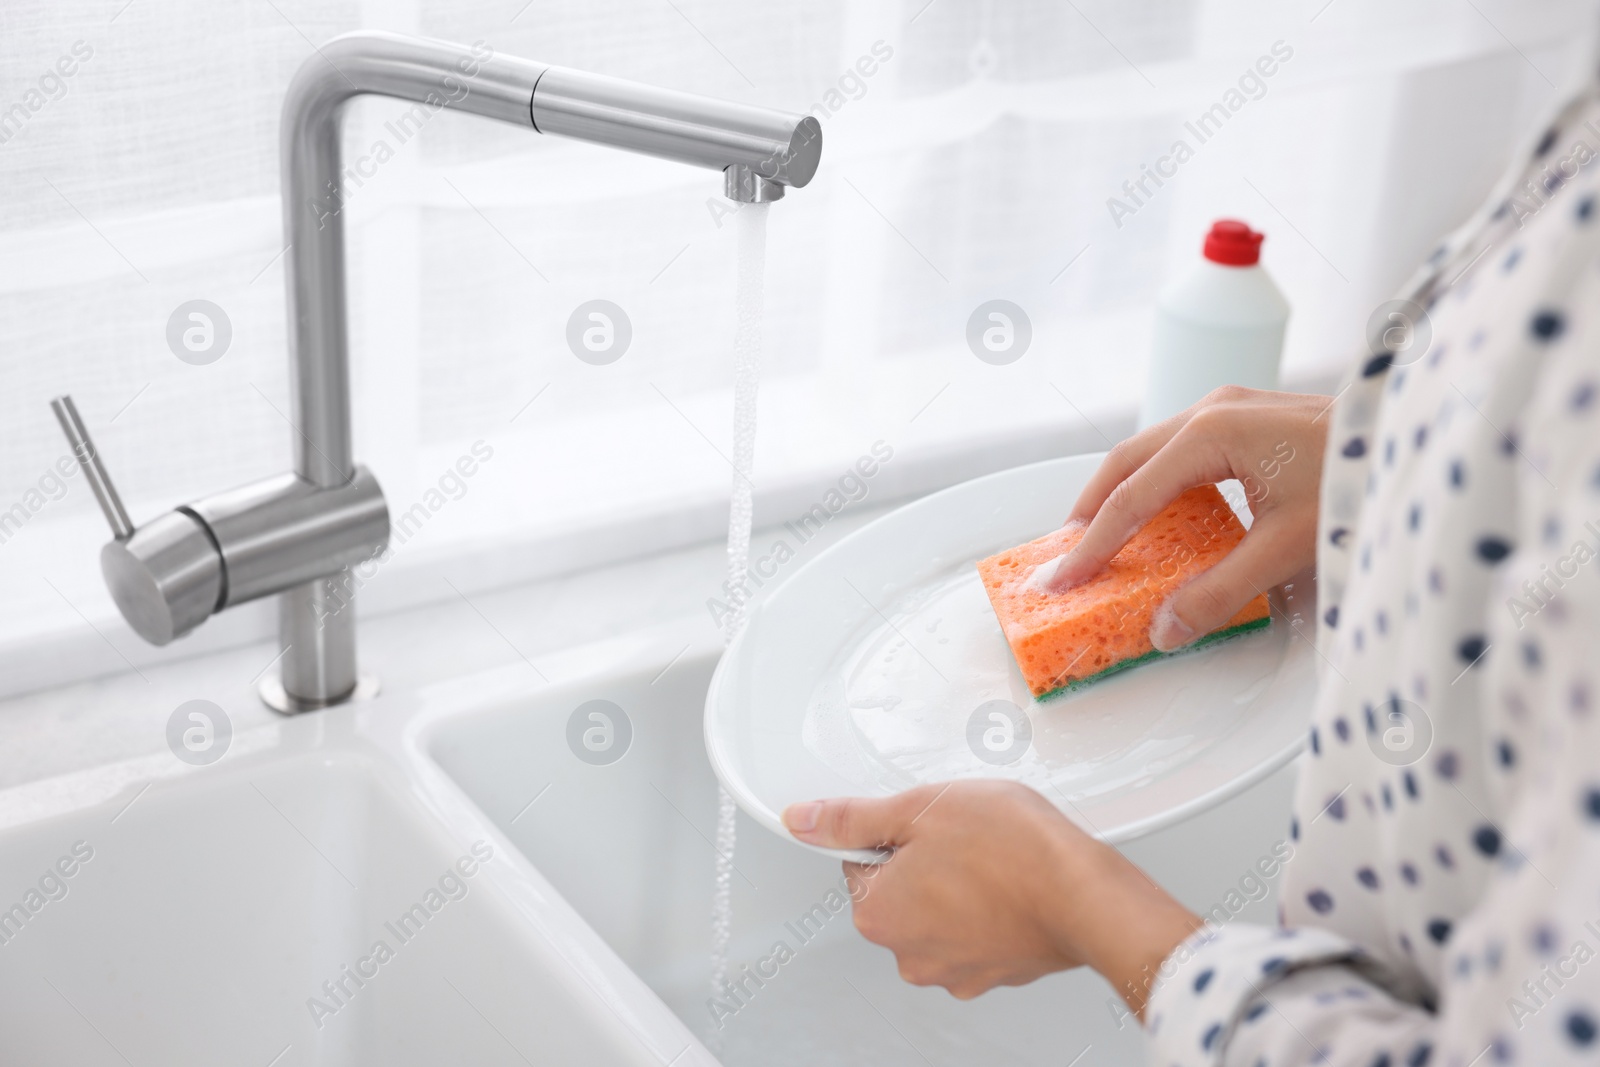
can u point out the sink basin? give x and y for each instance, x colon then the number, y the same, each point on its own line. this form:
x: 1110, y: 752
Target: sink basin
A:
x: 454, y: 876
x: 629, y: 844
x: 314, y: 898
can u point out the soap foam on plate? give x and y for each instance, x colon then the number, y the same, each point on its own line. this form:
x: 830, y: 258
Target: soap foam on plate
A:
x: 892, y: 709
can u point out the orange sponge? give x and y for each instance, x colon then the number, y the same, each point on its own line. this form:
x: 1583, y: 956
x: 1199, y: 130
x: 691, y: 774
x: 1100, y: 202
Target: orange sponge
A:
x: 1062, y: 640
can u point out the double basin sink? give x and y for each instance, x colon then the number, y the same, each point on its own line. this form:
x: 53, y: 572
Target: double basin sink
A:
x: 493, y: 870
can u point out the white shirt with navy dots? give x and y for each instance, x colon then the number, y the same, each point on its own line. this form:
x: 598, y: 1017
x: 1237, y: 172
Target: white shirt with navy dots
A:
x: 1442, y: 905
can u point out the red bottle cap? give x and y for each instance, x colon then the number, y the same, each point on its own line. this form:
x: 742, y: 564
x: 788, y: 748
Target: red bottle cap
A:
x: 1233, y: 243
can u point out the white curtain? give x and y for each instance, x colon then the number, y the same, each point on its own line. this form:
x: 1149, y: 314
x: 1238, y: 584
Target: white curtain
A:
x: 973, y: 149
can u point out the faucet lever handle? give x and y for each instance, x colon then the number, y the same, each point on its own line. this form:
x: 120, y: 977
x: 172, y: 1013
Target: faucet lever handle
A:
x: 83, y: 448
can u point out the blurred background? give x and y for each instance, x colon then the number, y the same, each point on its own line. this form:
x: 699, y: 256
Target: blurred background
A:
x: 972, y: 151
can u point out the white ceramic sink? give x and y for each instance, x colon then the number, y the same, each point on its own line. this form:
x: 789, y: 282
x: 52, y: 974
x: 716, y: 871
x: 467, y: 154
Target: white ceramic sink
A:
x: 629, y: 844
x: 206, y: 909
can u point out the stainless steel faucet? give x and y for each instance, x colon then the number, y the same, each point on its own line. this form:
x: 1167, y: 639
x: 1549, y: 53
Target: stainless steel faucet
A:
x: 297, y: 534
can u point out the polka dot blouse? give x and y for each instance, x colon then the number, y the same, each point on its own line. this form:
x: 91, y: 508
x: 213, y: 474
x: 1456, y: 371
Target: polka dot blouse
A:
x: 1442, y: 905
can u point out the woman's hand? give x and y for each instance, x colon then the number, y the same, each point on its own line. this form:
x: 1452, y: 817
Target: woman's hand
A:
x: 1271, y: 442
x: 990, y: 885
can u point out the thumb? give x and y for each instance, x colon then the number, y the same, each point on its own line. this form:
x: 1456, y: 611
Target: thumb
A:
x: 847, y: 822
x: 1208, y: 601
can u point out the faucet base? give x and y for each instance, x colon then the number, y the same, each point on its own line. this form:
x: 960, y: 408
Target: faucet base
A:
x: 274, y: 696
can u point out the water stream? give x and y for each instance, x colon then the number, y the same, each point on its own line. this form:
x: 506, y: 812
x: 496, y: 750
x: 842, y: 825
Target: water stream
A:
x: 751, y: 225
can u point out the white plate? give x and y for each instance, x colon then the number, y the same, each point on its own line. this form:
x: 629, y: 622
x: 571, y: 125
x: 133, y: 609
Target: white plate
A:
x: 858, y: 676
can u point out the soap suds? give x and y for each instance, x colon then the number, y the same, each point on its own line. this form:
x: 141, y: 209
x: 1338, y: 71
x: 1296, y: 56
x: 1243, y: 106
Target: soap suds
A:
x: 1040, y: 577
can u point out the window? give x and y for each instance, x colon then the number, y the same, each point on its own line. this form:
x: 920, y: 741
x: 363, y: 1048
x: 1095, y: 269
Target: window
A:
x: 974, y: 150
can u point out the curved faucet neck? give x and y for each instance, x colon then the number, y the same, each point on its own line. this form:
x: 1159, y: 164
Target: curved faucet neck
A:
x: 431, y: 74
x: 761, y: 151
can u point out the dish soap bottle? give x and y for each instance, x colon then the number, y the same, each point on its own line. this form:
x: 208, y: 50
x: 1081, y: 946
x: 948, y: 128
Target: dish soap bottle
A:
x: 1220, y: 324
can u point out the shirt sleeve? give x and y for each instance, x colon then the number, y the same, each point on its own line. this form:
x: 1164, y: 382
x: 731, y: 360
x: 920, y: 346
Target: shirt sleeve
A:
x: 1256, y: 995
x: 1520, y: 981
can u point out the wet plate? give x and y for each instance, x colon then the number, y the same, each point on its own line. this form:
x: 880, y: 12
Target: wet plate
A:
x: 879, y: 666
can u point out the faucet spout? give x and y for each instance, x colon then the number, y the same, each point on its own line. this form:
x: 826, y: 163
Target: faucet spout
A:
x: 761, y: 152
x: 782, y: 148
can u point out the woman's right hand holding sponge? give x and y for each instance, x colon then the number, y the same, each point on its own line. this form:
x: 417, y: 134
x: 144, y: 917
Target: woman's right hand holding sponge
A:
x: 1271, y: 442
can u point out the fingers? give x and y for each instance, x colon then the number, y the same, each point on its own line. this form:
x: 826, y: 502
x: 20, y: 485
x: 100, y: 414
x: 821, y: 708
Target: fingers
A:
x: 1185, y: 461
x: 851, y: 822
x: 1128, y: 456
x: 1262, y: 560
x: 1121, y: 462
